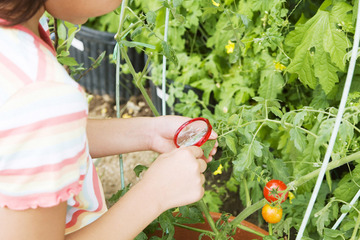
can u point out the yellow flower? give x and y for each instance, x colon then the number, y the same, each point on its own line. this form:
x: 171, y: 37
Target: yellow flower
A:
x: 125, y: 115
x: 291, y: 196
x: 218, y: 170
x: 230, y: 47
x: 279, y: 66
x: 215, y: 3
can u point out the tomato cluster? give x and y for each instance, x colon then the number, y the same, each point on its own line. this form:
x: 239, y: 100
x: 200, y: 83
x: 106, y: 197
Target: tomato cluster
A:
x: 275, y: 193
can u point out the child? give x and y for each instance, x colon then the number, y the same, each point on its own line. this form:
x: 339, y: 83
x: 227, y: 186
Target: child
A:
x: 49, y: 188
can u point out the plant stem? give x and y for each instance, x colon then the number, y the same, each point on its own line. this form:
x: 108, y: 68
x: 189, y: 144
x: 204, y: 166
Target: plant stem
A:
x: 201, y: 204
x: 331, y: 165
x: 121, y: 35
x: 137, y: 79
x: 248, y: 211
x: 195, y: 229
x: 270, y: 229
x: 250, y: 230
x: 122, y: 17
x: 247, y: 194
x: 353, y: 236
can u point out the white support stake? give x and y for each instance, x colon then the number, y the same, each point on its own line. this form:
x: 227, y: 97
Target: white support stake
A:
x: 163, y: 100
x: 353, y: 201
x: 335, y: 130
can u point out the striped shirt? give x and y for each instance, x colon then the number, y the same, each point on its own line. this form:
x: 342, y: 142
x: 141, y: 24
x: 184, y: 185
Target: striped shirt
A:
x: 44, y: 155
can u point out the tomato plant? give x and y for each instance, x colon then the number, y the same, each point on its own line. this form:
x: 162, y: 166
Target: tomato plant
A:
x: 274, y: 190
x: 272, y: 214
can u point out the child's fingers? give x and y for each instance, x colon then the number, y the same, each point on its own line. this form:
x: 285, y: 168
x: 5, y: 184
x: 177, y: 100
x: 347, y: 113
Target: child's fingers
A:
x: 213, y: 135
x: 202, y: 164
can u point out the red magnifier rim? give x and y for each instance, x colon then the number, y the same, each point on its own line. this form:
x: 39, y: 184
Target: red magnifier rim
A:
x: 203, y: 139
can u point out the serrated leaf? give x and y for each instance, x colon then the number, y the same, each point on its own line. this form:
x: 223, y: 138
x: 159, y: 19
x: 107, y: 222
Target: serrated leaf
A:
x: 271, y: 84
x: 314, y: 39
x: 276, y: 111
x: 233, y: 119
x: 331, y: 234
x: 299, y: 118
x: 231, y: 143
x: 151, y: 17
x: 325, y: 71
x: 243, y: 160
x: 136, y: 32
x: 177, y: 3
x: 279, y: 169
x: 257, y: 148
x: 208, y: 146
x: 299, y: 138
x: 190, y: 215
x: 169, y: 52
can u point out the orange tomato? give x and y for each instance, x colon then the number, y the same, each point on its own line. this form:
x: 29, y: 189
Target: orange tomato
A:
x: 272, y: 214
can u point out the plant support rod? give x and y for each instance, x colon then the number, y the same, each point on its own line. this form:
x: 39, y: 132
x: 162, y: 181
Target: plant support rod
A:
x: 117, y: 83
x: 163, y: 87
x: 335, y: 129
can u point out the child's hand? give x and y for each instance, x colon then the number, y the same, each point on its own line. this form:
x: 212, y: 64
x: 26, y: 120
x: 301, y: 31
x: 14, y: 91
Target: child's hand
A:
x: 176, y: 178
x: 164, y: 129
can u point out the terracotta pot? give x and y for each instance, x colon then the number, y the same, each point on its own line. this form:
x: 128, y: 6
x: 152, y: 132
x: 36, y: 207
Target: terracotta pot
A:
x: 185, y: 234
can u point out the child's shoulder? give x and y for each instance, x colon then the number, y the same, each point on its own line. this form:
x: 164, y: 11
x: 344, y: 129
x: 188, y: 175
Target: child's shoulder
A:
x: 25, y: 60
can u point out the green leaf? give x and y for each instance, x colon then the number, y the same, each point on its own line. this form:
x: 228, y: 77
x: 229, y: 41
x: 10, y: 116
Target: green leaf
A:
x: 256, y: 148
x: 231, y: 143
x: 322, y: 220
x: 331, y: 234
x: 136, y: 32
x: 177, y: 3
x: 141, y: 236
x: 279, y: 169
x: 276, y: 111
x: 151, y: 17
x: 136, y: 44
x: 96, y: 62
x: 325, y: 71
x: 345, y: 208
x: 320, y: 50
x: 67, y: 61
x: 61, y: 31
x: 208, y: 146
x: 299, y: 138
x: 213, y: 201
x: 169, y: 52
x: 243, y: 160
x: 139, y: 169
x: 299, y: 118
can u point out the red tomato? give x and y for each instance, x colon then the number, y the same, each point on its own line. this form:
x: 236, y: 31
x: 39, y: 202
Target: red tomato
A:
x: 274, y: 190
x: 272, y: 214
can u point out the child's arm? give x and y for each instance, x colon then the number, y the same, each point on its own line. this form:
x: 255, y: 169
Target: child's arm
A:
x: 174, y: 179
x: 114, y: 136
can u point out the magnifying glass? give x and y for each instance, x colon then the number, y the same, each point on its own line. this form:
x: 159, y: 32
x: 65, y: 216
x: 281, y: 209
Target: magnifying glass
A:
x: 194, y: 132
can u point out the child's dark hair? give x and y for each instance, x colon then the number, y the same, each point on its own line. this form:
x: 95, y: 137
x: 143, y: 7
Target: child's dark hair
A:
x: 18, y: 11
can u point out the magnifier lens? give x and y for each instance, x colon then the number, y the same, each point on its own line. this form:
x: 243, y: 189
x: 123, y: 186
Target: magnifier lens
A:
x: 192, y: 133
